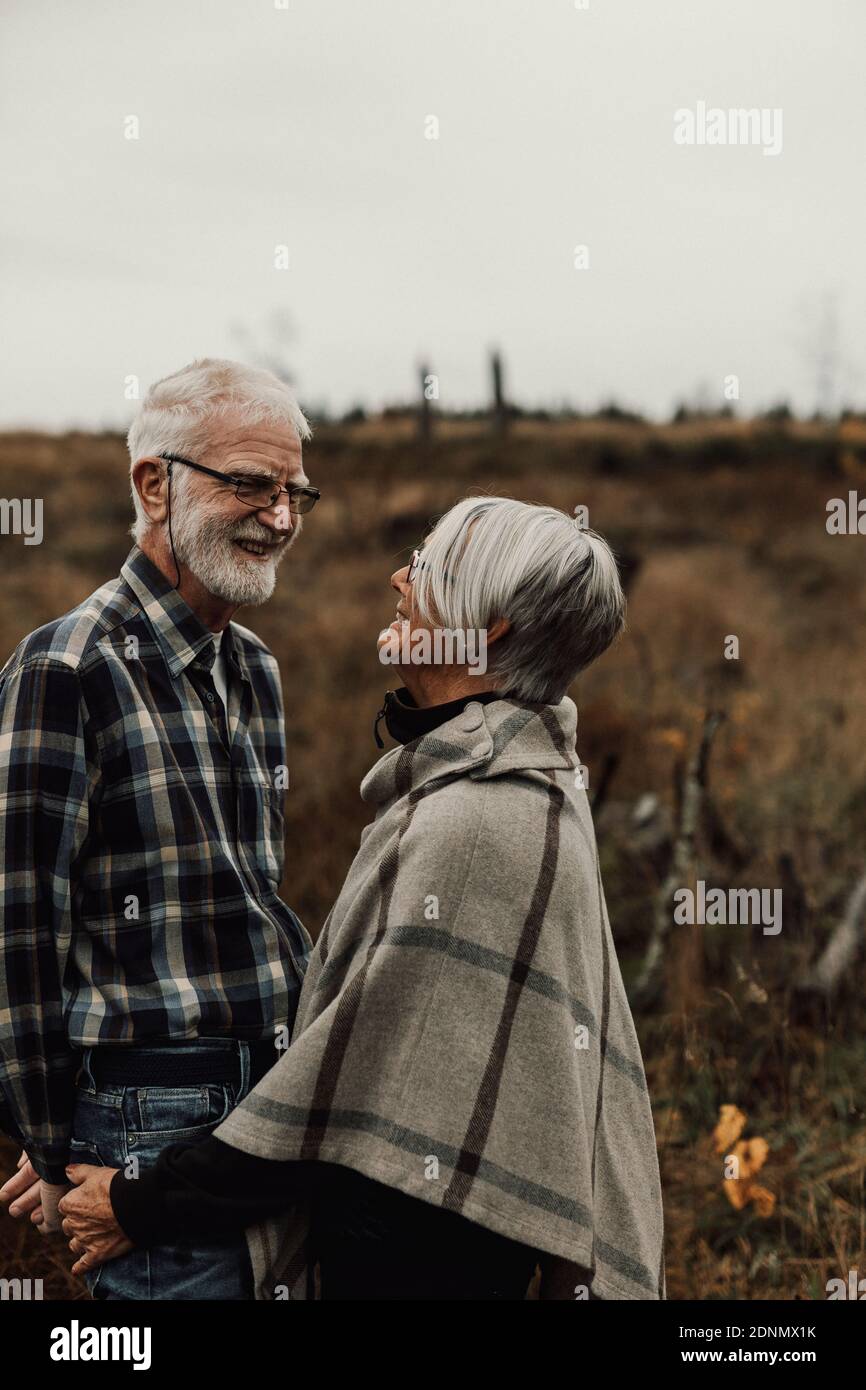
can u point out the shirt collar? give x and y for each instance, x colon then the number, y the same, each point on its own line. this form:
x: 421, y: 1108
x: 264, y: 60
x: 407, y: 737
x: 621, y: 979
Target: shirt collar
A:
x: 180, y: 635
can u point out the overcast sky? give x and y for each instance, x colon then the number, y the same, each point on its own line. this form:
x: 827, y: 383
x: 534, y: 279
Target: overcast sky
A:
x: 306, y: 127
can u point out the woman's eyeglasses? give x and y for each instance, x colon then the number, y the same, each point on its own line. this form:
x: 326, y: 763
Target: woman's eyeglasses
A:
x: 416, y: 564
x: 257, y: 492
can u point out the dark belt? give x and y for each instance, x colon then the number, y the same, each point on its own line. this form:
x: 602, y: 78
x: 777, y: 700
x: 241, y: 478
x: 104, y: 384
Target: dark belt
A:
x: 174, y: 1065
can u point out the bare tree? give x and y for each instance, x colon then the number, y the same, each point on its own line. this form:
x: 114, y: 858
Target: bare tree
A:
x: 500, y: 408
x: 425, y: 412
x: 842, y: 949
x: 820, y: 343
x: 694, y: 787
x: 268, y: 343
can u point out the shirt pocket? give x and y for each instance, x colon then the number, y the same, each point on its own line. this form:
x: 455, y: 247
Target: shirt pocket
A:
x: 269, y: 828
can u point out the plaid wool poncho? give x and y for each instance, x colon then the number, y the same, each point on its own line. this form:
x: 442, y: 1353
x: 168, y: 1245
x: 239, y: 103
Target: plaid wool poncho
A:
x: 463, y: 1032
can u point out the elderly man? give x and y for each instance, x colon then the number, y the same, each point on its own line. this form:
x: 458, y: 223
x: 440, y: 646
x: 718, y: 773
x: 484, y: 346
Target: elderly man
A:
x: 147, y: 965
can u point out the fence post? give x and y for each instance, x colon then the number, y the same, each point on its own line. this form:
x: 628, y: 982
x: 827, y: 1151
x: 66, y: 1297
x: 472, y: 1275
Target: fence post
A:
x: 500, y: 408
x: 425, y: 413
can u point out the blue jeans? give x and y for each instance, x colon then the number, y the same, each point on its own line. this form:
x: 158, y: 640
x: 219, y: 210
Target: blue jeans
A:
x: 114, y: 1124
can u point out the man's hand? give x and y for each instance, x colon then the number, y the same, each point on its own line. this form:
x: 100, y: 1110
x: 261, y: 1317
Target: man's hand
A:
x: 89, y: 1220
x: 27, y: 1193
x: 50, y: 1197
x: 22, y: 1194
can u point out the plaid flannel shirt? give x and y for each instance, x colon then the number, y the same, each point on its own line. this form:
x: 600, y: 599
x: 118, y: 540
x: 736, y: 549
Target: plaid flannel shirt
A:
x: 141, y: 849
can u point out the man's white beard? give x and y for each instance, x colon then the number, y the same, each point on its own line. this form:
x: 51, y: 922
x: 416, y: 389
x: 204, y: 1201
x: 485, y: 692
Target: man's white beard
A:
x: 206, y: 546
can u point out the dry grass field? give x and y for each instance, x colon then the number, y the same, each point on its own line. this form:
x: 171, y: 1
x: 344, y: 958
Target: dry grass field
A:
x: 720, y: 526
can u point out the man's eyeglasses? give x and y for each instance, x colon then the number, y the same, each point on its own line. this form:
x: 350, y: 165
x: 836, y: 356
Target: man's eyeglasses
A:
x: 257, y: 492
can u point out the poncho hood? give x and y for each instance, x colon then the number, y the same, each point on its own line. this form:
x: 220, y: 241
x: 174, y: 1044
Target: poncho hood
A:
x: 483, y: 741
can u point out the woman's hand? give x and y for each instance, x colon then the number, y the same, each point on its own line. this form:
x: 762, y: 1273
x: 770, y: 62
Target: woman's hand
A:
x: 89, y: 1220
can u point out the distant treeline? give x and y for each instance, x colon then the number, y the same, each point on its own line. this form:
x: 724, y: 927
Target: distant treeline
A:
x: 612, y: 412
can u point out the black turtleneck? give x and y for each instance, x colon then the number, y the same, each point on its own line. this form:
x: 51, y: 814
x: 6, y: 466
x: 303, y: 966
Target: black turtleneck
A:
x: 406, y: 721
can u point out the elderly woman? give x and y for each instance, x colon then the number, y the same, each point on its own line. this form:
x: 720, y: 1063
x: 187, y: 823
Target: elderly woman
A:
x: 464, y: 1097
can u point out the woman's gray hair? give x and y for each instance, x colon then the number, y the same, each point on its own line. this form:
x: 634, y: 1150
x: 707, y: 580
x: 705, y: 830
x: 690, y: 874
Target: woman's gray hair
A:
x: 556, y: 583
x: 178, y: 412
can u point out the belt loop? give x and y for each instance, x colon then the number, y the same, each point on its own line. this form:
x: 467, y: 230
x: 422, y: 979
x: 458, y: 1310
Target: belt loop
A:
x: 86, y: 1075
x: 244, y: 1059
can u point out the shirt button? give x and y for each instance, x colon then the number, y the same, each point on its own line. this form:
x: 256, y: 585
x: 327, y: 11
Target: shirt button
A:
x: 210, y: 696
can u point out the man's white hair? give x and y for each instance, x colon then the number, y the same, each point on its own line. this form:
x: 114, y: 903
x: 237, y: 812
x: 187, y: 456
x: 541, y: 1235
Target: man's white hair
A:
x: 178, y: 413
x: 557, y: 584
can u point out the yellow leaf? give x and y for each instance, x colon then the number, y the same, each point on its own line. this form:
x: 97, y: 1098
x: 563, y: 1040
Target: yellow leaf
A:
x: 731, y: 1125
x: 752, y: 1154
x: 765, y: 1201
x: 736, y: 1192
